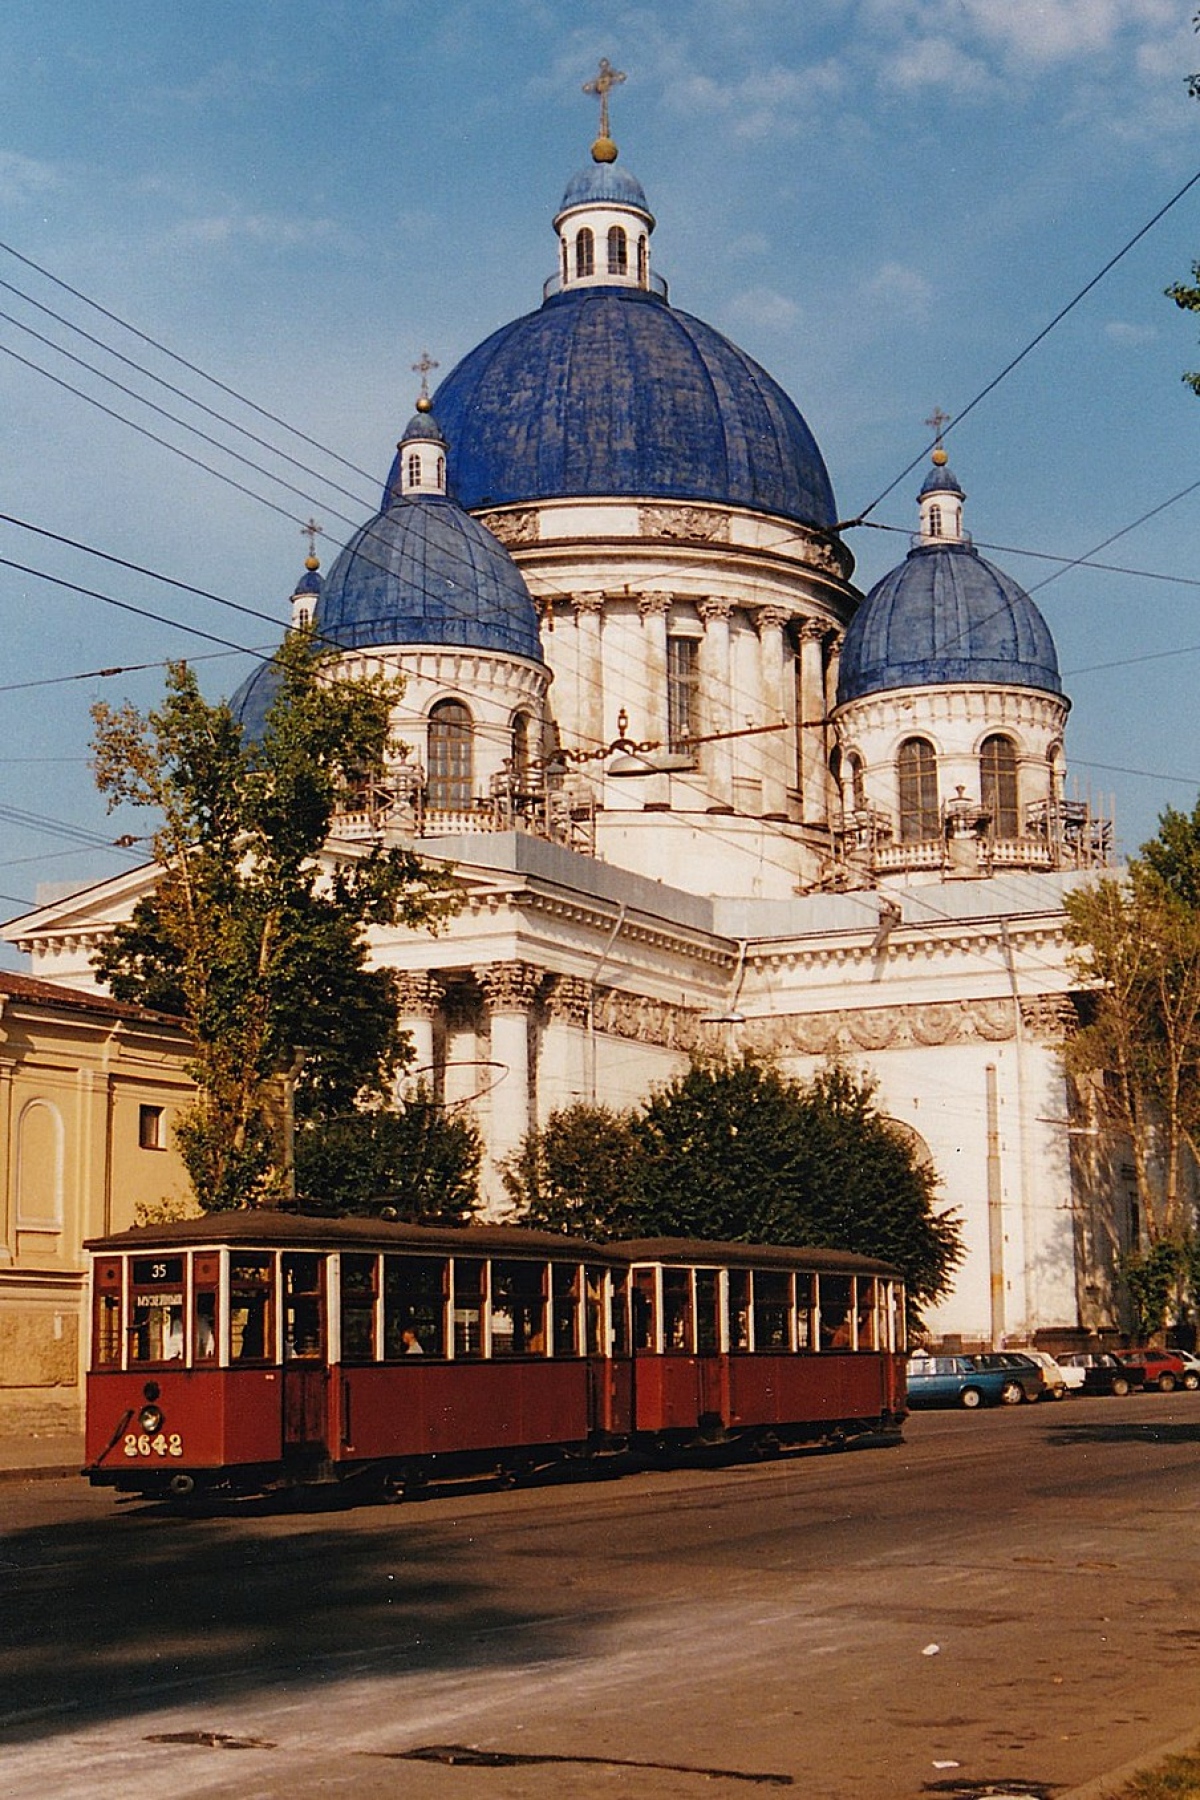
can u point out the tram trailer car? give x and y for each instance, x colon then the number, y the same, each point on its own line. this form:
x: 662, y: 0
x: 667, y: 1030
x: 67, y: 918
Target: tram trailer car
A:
x: 243, y: 1351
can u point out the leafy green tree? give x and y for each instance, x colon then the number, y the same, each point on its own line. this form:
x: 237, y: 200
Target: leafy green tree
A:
x: 737, y: 1151
x: 251, y: 934
x: 578, y: 1174
x: 412, y: 1158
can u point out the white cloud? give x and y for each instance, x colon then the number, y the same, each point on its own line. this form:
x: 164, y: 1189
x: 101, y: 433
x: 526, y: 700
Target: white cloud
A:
x: 1123, y: 331
x: 771, y: 102
x: 270, y: 230
x: 899, y: 289
x: 1046, y: 31
x: 23, y: 180
x: 936, y: 62
x: 764, y: 309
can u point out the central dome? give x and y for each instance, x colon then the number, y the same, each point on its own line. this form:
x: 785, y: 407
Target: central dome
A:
x: 610, y: 391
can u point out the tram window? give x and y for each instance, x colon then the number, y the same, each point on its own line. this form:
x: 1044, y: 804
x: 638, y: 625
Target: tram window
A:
x: 620, y: 1313
x: 414, y: 1306
x: 645, y: 1319
x: 518, y: 1309
x: 772, y: 1309
x: 250, y: 1297
x: 708, y: 1329
x: 204, y: 1326
x: 108, y: 1330
x: 303, y: 1305
x: 564, y: 1285
x: 469, y: 1274
x: 898, y: 1339
x: 739, y: 1309
x: 596, y: 1340
x: 835, y: 1312
x: 806, y: 1298
x: 156, y: 1318
x: 866, y: 1317
x: 359, y: 1288
x: 677, y: 1309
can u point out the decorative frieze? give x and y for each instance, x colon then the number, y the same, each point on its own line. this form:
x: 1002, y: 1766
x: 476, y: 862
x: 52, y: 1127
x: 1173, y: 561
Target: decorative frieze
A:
x: 697, y: 523
x: 882, y: 1028
x: 647, y: 1021
x: 512, y: 528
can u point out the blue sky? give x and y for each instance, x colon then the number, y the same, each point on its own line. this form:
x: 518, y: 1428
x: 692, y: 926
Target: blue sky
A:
x: 882, y: 200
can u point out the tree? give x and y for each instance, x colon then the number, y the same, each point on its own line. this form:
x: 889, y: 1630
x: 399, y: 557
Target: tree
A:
x: 578, y: 1174
x: 251, y: 934
x: 737, y: 1151
x: 412, y: 1158
x: 1139, y: 956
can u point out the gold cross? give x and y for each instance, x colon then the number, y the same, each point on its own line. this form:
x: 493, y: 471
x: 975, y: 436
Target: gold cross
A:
x: 607, y: 79
x: 422, y: 369
x: 937, y: 422
x: 312, y: 531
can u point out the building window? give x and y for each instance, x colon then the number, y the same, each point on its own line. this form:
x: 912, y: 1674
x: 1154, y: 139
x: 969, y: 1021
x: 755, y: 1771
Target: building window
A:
x: 522, y: 752
x: 450, y: 747
x: 916, y: 771
x: 935, y: 521
x: 682, y: 666
x: 414, y: 469
x: 441, y: 471
x: 618, y: 251
x: 855, y: 787
x: 585, y: 253
x: 152, y: 1134
x: 643, y: 256
x: 998, y: 786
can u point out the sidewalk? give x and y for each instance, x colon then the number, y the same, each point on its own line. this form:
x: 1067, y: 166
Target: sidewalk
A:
x: 41, y: 1458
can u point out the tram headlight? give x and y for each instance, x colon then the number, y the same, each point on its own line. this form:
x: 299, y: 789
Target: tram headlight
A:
x: 150, y: 1419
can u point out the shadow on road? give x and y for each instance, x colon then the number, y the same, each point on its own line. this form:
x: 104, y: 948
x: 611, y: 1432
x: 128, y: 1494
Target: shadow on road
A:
x: 1124, y: 1431
x: 116, y: 1616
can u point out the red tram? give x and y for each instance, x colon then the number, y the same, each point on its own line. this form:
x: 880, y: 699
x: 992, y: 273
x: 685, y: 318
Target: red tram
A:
x: 243, y: 1351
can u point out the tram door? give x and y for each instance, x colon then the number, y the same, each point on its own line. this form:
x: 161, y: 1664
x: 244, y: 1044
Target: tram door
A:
x: 305, y: 1356
x: 712, y: 1398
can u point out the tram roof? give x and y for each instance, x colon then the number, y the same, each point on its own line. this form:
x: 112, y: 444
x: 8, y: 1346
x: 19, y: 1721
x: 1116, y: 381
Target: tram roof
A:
x: 706, y: 1253
x: 271, y: 1230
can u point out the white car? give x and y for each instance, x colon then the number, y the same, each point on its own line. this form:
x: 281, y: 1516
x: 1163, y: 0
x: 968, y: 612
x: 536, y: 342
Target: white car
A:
x: 1059, y: 1381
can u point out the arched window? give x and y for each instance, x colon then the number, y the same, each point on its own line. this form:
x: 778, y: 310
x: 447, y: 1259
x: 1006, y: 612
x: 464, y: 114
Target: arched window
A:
x: 916, y: 770
x: 854, y: 788
x: 566, y: 270
x: 585, y: 252
x: 998, y: 786
x: 39, y: 1171
x: 450, y: 773
x: 618, y: 251
x: 414, y: 469
x: 643, y: 263
x: 522, y: 751
x: 935, y: 521
x: 441, y: 471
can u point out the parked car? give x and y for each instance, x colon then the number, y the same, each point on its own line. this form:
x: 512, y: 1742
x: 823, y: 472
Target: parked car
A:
x: 1163, y: 1369
x: 1191, y: 1368
x: 960, y: 1381
x: 1103, y: 1374
x: 1057, y: 1384
x: 1027, y: 1380
x: 1072, y: 1367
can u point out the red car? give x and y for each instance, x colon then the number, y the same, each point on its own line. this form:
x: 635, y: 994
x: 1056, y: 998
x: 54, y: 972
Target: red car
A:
x: 1158, y: 1368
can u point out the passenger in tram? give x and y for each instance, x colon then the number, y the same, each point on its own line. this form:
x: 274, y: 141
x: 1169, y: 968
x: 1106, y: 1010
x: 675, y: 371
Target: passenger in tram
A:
x: 411, y: 1342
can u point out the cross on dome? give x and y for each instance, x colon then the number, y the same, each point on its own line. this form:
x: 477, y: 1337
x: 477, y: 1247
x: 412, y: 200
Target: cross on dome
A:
x: 423, y: 368
x: 604, y: 150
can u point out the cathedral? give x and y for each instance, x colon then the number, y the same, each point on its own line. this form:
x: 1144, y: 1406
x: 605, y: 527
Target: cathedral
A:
x: 699, y: 791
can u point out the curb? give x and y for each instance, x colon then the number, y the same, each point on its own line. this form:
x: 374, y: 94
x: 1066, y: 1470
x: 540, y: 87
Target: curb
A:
x: 42, y: 1472
x: 1104, y: 1787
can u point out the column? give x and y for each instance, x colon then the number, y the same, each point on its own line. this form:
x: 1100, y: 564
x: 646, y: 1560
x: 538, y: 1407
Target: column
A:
x: 716, y: 674
x: 563, y: 1076
x: 509, y: 989
x: 653, y: 610
x: 813, y: 771
x: 775, y: 748
x: 418, y: 998
x: 589, y: 609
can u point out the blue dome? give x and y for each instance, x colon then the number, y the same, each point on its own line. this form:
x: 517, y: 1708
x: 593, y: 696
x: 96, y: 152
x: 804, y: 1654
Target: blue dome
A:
x: 941, y: 481
x: 610, y: 391
x: 946, y: 616
x: 422, y: 571
x: 605, y: 184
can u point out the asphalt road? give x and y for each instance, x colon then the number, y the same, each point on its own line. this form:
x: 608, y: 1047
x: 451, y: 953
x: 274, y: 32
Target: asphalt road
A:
x: 1007, y: 1603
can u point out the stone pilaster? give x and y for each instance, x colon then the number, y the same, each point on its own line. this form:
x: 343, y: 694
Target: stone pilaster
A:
x: 715, y: 678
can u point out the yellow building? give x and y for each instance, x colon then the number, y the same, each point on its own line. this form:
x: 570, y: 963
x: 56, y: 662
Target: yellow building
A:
x: 89, y: 1093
